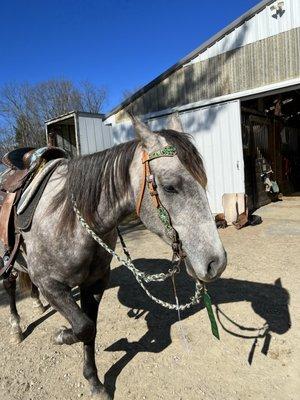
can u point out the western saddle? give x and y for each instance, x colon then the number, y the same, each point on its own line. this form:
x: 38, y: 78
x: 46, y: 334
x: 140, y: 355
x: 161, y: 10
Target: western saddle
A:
x: 23, y: 164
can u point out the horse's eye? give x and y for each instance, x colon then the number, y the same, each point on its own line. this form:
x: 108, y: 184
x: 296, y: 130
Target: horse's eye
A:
x: 169, y: 189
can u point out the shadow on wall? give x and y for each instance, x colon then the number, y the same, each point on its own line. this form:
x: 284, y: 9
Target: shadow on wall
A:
x: 123, y: 132
x: 270, y: 302
x: 213, y: 69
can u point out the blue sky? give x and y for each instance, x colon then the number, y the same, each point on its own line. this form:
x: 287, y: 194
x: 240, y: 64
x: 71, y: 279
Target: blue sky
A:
x: 119, y: 44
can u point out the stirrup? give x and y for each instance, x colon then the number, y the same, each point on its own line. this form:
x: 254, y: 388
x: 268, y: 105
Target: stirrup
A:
x: 4, y: 267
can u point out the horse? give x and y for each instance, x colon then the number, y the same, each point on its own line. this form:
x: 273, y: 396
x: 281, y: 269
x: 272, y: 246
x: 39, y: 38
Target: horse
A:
x: 107, y: 187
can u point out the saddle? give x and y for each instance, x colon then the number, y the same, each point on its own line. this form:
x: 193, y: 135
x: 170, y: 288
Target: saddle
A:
x: 27, y: 167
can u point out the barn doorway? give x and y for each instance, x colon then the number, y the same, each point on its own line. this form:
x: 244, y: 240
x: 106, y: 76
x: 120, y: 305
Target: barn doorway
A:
x: 271, y: 147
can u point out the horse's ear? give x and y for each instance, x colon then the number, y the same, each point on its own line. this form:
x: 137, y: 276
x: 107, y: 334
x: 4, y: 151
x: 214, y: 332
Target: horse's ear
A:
x: 146, y: 136
x: 174, y: 123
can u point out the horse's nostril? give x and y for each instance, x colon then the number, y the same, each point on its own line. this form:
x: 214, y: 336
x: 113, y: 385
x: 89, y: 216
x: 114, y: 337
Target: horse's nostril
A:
x: 212, y: 268
x: 209, y: 268
x: 216, y: 266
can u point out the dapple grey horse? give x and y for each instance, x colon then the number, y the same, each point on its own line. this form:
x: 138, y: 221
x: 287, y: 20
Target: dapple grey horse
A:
x: 61, y: 255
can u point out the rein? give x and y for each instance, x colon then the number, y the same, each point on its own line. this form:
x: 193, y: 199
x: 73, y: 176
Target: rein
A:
x: 178, y: 254
x: 140, y: 276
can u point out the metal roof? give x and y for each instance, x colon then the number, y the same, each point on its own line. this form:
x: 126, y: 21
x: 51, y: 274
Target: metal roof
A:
x: 239, y: 21
x: 73, y: 113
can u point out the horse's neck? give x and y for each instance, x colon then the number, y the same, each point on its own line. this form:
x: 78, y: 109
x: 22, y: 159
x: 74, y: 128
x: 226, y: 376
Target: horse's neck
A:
x: 112, y: 214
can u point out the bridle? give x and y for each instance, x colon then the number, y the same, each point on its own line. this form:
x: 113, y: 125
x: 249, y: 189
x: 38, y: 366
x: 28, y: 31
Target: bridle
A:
x: 148, y: 180
x: 178, y: 254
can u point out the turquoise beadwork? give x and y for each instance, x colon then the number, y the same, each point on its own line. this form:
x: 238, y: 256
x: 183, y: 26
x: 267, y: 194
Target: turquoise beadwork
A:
x: 168, y: 151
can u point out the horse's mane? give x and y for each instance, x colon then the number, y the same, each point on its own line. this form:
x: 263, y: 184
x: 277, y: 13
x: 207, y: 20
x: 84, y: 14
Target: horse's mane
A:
x: 107, y: 172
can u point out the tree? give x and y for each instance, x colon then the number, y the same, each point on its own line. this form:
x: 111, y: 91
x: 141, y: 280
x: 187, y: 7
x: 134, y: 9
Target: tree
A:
x: 7, y: 141
x: 25, y: 107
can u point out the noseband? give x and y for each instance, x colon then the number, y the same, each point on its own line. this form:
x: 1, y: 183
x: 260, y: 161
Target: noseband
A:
x: 149, y: 181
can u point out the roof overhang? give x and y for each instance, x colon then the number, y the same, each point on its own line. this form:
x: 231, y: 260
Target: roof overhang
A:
x: 239, y: 21
x: 71, y: 114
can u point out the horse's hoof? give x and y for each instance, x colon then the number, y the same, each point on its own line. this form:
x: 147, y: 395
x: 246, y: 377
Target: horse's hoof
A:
x: 16, y: 337
x: 58, y: 336
x: 100, y: 393
x: 39, y: 309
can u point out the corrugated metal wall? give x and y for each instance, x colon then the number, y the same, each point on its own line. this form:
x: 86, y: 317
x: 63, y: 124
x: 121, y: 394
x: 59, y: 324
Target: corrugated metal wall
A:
x: 94, y: 135
x: 265, y: 62
x: 261, y: 26
x: 122, y: 132
x: 217, y: 134
x: 216, y: 131
x: 264, y: 50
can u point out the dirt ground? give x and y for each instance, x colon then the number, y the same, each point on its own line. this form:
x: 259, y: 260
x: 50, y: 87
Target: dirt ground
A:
x: 143, y: 352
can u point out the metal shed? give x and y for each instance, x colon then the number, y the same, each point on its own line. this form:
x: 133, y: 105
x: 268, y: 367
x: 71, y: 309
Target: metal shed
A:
x: 79, y: 133
x: 238, y: 96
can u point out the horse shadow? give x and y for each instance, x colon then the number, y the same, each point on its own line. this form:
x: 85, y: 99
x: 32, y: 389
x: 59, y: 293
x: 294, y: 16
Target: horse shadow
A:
x: 270, y: 302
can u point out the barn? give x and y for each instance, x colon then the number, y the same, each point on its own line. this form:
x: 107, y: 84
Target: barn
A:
x: 238, y: 95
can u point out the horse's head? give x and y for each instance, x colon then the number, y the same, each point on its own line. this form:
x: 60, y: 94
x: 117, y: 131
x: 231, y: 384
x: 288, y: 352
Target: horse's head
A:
x: 181, y: 182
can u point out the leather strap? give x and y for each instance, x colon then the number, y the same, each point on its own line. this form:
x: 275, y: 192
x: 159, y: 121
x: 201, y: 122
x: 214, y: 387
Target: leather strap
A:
x: 152, y: 186
x: 148, y: 179
x: 9, y: 264
x: 143, y: 186
x: 5, y: 216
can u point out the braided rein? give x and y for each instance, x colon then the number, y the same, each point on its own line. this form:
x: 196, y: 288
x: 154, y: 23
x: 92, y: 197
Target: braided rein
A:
x: 140, y: 276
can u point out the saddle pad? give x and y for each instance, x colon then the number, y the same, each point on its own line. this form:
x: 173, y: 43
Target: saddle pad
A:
x: 23, y: 221
x: 34, y: 185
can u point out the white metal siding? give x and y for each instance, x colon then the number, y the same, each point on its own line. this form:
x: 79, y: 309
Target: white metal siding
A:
x: 261, y: 26
x: 122, y: 132
x: 217, y: 135
x: 94, y: 135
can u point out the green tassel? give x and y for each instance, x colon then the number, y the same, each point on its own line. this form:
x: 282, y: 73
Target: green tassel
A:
x: 213, y: 323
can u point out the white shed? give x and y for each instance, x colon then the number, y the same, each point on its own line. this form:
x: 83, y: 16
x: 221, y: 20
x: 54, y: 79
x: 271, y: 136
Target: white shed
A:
x: 79, y: 133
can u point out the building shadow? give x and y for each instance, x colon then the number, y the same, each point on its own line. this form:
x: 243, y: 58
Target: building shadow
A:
x: 270, y: 302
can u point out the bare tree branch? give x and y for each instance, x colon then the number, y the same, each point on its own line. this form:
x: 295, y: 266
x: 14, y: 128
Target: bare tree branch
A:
x: 7, y: 141
x: 26, y: 107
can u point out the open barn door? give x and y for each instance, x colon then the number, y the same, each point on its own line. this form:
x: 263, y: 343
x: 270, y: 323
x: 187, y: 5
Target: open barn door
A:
x: 217, y: 135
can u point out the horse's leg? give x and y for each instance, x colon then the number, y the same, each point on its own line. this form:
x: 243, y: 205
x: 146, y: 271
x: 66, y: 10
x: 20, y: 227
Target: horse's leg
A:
x: 60, y: 297
x: 16, y: 331
x: 35, y: 295
x: 90, y: 300
x: 83, y: 322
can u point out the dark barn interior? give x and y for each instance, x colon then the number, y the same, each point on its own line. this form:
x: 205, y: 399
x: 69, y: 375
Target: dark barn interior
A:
x: 62, y: 134
x: 271, y: 146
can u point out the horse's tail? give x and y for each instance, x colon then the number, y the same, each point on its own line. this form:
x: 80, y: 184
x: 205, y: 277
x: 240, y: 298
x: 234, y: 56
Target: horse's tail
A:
x: 24, y: 282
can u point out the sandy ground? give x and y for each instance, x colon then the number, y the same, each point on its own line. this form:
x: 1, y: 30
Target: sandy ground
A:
x: 143, y: 352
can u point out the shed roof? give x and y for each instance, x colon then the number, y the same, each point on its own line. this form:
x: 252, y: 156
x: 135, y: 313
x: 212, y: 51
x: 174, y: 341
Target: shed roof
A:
x: 71, y: 114
x: 239, y: 21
